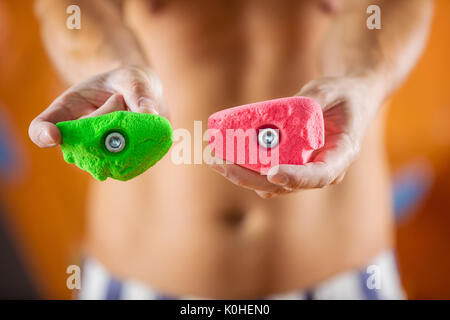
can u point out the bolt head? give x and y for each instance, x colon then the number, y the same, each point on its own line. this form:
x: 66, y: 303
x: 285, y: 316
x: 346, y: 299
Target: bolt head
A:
x: 115, y: 142
x: 268, y: 137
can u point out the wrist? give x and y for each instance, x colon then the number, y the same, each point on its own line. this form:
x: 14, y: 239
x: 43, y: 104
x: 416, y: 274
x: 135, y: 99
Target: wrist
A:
x: 375, y: 81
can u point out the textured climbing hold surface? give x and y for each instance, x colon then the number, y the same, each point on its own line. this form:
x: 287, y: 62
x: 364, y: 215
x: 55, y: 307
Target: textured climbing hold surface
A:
x: 120, y: 145
x: 243, y: 134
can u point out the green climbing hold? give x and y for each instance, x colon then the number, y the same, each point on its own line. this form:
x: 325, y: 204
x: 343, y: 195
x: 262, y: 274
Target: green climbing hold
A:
x: 120, y: 145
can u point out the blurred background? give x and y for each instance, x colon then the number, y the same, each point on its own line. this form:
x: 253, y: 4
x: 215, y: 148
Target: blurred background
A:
x: 41, y: 227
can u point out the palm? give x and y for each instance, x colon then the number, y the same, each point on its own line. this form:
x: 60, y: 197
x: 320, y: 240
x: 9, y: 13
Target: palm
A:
x: 337, y: 127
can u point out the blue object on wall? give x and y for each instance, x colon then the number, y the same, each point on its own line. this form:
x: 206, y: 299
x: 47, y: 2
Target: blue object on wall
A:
x: 411, y: 185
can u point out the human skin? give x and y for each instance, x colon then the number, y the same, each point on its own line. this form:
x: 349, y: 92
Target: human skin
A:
x: 186, y: 230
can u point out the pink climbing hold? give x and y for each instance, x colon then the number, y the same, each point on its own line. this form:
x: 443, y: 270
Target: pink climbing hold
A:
x: 261, y: 135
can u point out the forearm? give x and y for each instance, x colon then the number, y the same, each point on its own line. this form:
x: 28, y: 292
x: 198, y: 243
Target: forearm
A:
x: 103, y: 42
x: 385, y: 56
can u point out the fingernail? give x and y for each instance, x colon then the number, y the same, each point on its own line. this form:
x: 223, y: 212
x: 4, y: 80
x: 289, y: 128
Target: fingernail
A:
x: 273, y: 171
x: 148, y: 105
x: 219, y: 169
x: 265, y: 195
x: 45, y: 139
x: 153, y: 111
x: 279, y: 179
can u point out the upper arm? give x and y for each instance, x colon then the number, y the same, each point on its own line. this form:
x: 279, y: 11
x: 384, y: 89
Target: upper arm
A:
x: 96, y: 16
x: 103, y: 41
x: 56, y: 9
x: 404, y: 25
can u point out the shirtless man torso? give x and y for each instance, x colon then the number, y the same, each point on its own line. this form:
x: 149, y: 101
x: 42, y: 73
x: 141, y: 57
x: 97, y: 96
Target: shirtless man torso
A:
x: 186, y: 230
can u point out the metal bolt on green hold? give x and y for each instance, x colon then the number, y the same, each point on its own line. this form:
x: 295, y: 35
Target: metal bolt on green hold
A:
x: 120, y: 145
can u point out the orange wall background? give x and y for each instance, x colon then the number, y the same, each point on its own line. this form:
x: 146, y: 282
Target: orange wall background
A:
x: 419, y: 128
x: 48, y: 223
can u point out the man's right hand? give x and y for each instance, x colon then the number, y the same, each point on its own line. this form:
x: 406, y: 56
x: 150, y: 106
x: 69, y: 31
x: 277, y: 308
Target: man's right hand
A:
x: 137, y: 89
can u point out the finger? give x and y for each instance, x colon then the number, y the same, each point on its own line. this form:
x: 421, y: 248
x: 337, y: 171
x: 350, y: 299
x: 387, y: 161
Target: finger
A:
x: 269, y: 195
x: 264, y: 194
x: 244, y: 177
x: 339, y: 179
x: 310, y: 175
x: 114, y: 103
x: 44, y: 134
x: 322, y: 93
x: 327, y: 166
x: 43, y: 131
x: 141, y: 90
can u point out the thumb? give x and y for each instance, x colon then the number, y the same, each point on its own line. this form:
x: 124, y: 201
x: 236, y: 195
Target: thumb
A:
x: 322, y: 91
